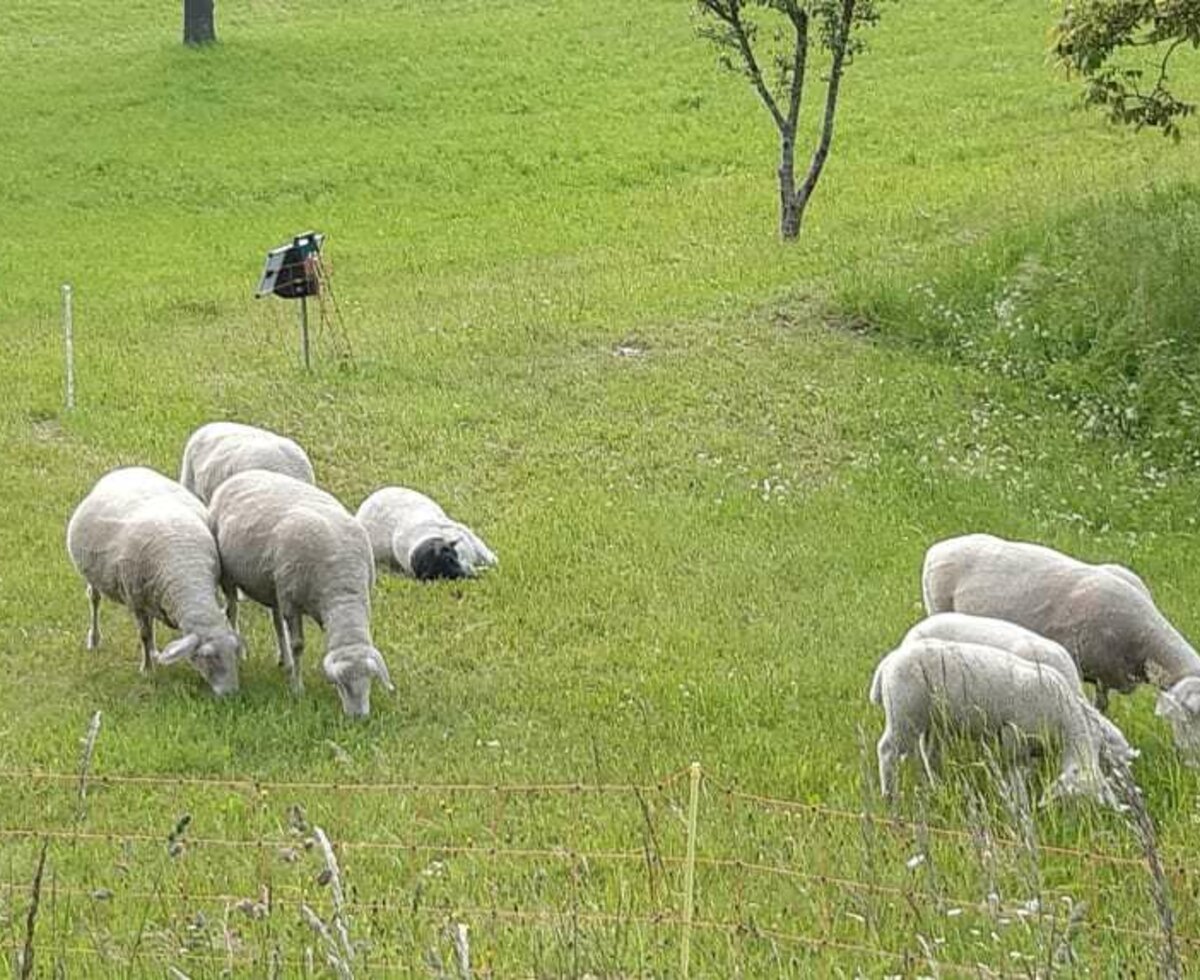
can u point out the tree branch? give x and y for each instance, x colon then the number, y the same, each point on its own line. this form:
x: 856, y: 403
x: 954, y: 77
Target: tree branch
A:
x: 841, y: 43
x: 730, y: 11
x: 799, y: 19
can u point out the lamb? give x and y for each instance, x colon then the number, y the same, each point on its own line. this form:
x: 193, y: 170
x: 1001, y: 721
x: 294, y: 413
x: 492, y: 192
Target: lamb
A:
x: 218, y: 450
x: 411, y: 534
x: 140, y: 539
x: 291, y: 546
x: 930, y: 684
x: 1113, y: 630
x: 1029, y: 646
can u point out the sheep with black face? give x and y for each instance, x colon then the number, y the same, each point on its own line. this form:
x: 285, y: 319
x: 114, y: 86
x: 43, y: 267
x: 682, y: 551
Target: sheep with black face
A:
x: 412, y: 534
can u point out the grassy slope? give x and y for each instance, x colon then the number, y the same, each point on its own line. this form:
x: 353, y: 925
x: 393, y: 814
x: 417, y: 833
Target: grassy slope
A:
x: 510, y: 190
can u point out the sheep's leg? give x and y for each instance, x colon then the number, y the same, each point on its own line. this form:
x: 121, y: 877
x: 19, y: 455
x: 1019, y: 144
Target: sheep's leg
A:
x: 931, y: 756
x: 283, y: 648
x: 888, y: 751
x: 231, y: 603
x: 294, y: 625
x: 146, y: 632
x: 1016, y: 749
x: 1101, y: 697
x: 93, y: 636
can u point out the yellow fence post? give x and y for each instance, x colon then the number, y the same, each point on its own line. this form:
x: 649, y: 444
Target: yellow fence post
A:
x: 689, y: 873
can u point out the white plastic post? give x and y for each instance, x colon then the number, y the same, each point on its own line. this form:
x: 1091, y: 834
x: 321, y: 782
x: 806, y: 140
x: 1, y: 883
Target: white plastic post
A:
x: 69, y: 344
x: 689, y: 873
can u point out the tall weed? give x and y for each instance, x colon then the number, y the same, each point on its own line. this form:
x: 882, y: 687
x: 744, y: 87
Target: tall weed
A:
x: 1097, y: 307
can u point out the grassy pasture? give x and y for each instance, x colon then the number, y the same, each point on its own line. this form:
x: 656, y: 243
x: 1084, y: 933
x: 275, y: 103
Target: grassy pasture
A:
x: 551, y: 230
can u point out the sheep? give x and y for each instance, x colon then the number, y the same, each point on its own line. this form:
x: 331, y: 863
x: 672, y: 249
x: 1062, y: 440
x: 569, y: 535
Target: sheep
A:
x: 1127, y: 575
x: 292, y: 547
x: 931, y: 684
x: 1112, y: 628
x: 140, y: 539
x: 1020, y: 642
x: 411, y: 534
x: 1000, y: 634
x: 218, y: 450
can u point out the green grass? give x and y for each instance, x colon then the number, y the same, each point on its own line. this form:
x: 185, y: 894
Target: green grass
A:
x: 705, y: 547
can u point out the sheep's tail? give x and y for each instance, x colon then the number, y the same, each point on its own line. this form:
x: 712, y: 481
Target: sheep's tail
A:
x: 876, y: 693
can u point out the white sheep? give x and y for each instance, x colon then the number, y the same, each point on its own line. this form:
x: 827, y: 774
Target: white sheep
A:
x: 1112, y: 628
x: 1127, y: 575
x: 1020, y: 642
x: 411, y: 534
x: 140, y: 539
x: 218, y: 450
x: 291, y: 546
x: 929, y: 685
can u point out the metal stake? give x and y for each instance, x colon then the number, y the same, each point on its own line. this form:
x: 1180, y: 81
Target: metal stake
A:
x: 304, y: 330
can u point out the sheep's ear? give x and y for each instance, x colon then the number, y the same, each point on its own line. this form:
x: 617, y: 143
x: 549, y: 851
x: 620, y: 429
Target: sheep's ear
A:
x: 335, y: 668
x: 1169, y: 707
x: 1187, y: 693
x: 178, y: 650
x: 379, y: 669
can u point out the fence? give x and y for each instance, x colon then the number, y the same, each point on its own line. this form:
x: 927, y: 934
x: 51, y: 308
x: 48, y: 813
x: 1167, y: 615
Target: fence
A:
x: 682, y: 876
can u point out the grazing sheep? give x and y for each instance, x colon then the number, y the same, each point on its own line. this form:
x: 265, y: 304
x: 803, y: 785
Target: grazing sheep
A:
x: 931, y: 684
x: 291, y: 546
x: 140, y: 539
x: 1127, y: 575
x: 218, y: 450
x: 1112, y: 628
x: 1001, y: 634
x: 411, y: 534
x: 1020, y: 642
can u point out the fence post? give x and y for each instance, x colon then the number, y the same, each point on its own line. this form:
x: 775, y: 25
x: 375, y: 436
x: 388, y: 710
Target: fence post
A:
x: 689, y: 872
x: 69, y: 344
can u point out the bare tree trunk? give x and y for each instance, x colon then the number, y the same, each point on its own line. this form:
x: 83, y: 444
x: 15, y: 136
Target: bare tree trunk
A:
x: 791, y: 208
x: 198, y: 27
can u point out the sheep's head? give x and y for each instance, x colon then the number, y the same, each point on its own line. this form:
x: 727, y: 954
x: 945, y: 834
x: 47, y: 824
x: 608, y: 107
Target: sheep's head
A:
x: 215, y: 658
x: 436, y: 558
x: 350, y: 670
x: 1180, y: 705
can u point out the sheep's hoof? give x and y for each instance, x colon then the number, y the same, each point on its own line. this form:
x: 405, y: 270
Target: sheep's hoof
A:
x: 93, y: 639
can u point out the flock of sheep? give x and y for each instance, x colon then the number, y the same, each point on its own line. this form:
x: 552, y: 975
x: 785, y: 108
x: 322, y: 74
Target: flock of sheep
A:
x: 1013, y: 630
x: 246, y: 518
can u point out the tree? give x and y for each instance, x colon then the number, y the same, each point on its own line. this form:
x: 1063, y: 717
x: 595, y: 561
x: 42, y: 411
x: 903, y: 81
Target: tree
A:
x: 1123, y: 49
x: 801, y: 28
x: 198, y: 22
